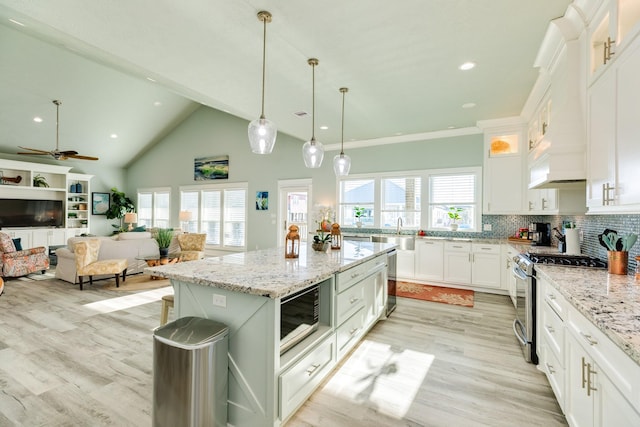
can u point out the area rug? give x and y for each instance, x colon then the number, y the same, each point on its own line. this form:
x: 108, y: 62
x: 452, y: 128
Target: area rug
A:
x: 432, y: 293
x: 138, y: 282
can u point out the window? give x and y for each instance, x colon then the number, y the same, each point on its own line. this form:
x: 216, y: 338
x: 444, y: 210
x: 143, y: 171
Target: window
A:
x: 454, y: 190
x: 360, y: 193
x: 400, y: 199
x: 219, y: 211
x: 153, y: 207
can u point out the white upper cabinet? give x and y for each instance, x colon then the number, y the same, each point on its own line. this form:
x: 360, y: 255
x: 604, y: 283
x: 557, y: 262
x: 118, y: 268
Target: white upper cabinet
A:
x: 502, y: 173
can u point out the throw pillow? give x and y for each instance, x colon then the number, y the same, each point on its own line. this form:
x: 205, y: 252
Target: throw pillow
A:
x: 17, y: 243
x: 140, y: 228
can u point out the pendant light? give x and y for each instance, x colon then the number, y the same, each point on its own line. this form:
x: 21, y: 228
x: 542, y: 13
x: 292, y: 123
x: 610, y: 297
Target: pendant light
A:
x: 342, y: 162
x: 312, y: 151
x: 263, y: 132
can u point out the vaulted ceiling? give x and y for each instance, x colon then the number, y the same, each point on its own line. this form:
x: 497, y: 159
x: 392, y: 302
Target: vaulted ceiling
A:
x: 137, y: 68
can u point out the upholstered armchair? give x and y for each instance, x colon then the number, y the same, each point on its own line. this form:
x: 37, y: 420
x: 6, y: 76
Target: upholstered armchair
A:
x: 191, y: 246
x: 87, y: 263
x: 20, y: 263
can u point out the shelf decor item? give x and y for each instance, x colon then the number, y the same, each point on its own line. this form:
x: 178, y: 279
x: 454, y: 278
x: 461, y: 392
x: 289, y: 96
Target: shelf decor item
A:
x: 40, y: 181
x: 336, y: 236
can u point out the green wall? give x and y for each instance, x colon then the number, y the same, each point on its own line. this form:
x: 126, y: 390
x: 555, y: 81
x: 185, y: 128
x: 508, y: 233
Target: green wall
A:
x: 209, y: 132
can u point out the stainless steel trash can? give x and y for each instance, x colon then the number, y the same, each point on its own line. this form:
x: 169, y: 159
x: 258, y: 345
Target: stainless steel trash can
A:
x: 190, y: 379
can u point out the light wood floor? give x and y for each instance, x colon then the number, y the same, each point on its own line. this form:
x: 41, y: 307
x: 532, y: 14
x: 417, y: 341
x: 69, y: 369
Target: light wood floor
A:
x: 70, y: 358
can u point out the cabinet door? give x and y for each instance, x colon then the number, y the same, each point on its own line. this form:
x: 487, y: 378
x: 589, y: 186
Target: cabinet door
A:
x: 503, y: 185
x: 614, y: 409
x: 628, y: 127
x: 602, y: 130
x: 429, y: 260
x: 457, y: 263
x: 579, y: 405
x: 485, y: 269
x: 405, y: 264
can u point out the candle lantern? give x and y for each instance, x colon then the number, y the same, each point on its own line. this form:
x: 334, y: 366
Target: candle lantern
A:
x: 292, y: 243
x: 336, y: 236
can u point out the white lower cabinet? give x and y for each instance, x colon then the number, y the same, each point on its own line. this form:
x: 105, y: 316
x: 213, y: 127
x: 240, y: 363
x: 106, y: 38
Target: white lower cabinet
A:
x: 485, y: 265
x: 457, y: 262
x: 298, y: 381
x: 405, y: 264
x: 595, y: 382
x: 429, y: 259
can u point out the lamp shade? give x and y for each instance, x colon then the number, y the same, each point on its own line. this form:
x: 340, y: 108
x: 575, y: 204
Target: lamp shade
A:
x: 130, y: 217
x: 184, y: 216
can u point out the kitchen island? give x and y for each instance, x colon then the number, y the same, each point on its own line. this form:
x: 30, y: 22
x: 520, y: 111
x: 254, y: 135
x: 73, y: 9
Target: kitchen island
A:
x: 245, y: 290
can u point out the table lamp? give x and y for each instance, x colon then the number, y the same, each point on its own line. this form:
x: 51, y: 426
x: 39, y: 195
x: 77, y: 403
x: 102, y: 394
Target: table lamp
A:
x: 184, y: 217
x: 130, y: 218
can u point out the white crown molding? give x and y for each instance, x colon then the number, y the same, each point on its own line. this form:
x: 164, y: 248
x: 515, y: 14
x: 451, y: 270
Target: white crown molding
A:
x: 399, y: 139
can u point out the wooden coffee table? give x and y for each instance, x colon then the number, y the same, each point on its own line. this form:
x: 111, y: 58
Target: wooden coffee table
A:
x: 155, y: 260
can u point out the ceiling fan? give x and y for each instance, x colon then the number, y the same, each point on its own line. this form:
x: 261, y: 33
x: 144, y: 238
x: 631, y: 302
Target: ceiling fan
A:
x: 57, y: 154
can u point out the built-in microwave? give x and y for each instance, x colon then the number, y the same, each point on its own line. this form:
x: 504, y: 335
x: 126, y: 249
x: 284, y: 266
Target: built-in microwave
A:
x: 298, y: 316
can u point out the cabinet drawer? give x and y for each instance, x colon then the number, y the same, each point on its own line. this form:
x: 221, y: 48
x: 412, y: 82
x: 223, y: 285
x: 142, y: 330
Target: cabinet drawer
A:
x: 556, y: 301
x: 348, y: 333
x: 348, y: 302
x: 353, y: 275
x: 485, y: 248
x: 555, y: 373
x: 457, y: 246
x: 553, y: 331
x: 297, y: 383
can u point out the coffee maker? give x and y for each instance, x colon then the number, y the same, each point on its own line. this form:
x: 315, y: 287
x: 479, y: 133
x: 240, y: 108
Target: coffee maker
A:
x: 540, y: 233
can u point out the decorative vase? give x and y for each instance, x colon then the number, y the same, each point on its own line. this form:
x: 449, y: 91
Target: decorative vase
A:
x: 359, y: 224
x: 454, y: 227
x: 164, y: 252
x: 320, y: 247
x: 618, y: 262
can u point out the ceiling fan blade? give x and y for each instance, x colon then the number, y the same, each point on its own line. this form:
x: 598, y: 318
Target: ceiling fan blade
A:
x: 77, y: 156
x: 68, y: 153
x: 34, y: 154
x: 33, y: 149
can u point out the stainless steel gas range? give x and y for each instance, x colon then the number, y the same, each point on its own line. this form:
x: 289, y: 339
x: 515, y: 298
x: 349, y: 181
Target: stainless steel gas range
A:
x: 523, y: 295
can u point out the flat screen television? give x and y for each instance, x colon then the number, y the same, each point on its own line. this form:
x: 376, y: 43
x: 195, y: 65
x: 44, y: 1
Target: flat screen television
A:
x: 31, y: 213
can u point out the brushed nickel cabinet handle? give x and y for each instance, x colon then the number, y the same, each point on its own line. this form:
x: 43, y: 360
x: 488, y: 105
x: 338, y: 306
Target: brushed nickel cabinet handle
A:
x: 584, y: 380
x: 589, y: 338
x: 551, y: 369
x: 590, y: 371
x: 312, y: 369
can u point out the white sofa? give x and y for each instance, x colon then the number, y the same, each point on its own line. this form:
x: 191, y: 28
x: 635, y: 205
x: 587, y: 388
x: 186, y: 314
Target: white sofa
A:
x: 123, y: 245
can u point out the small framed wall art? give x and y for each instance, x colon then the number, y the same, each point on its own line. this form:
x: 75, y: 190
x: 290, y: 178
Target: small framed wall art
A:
x: 262, y: 200
x: 100, y: 203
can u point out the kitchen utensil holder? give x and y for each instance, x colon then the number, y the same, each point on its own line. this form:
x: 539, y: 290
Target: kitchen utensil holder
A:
x: 618, y: 262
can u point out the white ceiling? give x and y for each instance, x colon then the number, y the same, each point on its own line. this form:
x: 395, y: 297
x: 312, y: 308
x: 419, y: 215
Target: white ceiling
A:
x: 399, y: 59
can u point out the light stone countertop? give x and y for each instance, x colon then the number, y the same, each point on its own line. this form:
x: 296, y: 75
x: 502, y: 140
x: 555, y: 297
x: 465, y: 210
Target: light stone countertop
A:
x: 267, y: 272
x: 609, y: 301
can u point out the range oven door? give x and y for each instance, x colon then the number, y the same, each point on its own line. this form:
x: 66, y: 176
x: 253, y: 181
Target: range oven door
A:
x: 524, y: 323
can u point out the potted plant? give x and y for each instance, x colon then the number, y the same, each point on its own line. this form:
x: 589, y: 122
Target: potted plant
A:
x: 40, y: 181
x: 321, y: 241
x: 454, y: 215
x: 120, y: 205
x: 358, y: 212
x: 164, y: 236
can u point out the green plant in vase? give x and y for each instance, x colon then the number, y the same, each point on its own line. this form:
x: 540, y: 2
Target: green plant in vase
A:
x: 358, y: 212
x: 454, y: 215
x: 164, y: 236
x: 40, y: 181
x: 120, y: 205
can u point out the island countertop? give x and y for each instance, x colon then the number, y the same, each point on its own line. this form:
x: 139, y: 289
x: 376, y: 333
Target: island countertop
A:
x: 609, y: 301
x: 267, y: 272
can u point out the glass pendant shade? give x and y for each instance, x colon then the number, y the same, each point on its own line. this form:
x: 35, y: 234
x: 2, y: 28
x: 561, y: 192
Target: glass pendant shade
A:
x: 262, y: 132
x: 312, y: 153
x: 341, y: 164
x: 262, y: 135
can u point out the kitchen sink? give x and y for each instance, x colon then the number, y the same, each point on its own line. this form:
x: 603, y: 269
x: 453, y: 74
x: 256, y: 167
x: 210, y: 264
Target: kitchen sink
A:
x: 405, y: 243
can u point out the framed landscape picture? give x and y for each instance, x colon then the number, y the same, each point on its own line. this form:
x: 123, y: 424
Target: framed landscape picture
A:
x: 100, y: 203
x: 208, y: 168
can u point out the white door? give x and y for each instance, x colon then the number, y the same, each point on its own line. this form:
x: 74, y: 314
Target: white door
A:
x: 294, y: 201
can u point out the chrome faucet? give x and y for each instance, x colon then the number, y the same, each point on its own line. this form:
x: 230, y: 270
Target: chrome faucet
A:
x: 399, y: 225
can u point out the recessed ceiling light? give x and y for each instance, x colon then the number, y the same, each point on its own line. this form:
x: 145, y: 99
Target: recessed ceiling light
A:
x: 398, y: 133
x: 468, y: 105
x: 37, y: 119
x: 324, y: 127
x: 157, y: 104
x: 451, y: 127
x: 150, y: 79
x: 16, y: 22
x: 467, y: 66
x: 114, y: 136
